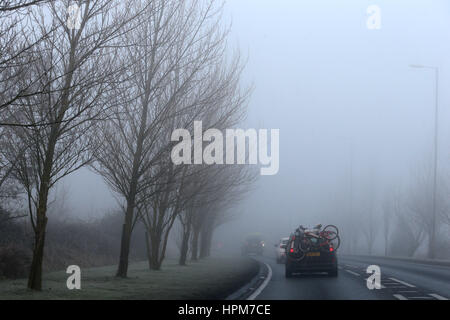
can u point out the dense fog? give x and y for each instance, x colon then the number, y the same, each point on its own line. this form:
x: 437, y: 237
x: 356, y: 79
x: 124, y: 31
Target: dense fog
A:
x: 355, y: 106
x: 356, y: 121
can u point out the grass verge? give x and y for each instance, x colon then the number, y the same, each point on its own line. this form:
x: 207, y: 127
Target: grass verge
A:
x: 211, y: 279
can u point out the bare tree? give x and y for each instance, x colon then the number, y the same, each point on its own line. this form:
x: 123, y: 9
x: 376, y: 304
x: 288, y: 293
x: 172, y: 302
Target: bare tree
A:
x: 158, y: 215
x: 194, y: 192
x: 221, y: 189
x: 15, y: 57
x: 75, y: 68
x: 170, y: 51
x: 14, y: 5
x: 235, y: 182
x: 368, y: 219
x: 16, y: 52
x: 185, y: 217
x: 370, y: 227
x: 219, y: 101
x: 407, y: 236
x: 392, y: 207
x: 420, y: 204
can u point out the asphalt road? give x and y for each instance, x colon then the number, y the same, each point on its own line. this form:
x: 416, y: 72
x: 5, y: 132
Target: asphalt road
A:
x: 400, y: 280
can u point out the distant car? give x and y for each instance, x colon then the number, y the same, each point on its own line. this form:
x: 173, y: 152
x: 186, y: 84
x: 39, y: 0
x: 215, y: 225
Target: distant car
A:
x: 253, y: 245
x: 280, y: 250
x: 320, y: 258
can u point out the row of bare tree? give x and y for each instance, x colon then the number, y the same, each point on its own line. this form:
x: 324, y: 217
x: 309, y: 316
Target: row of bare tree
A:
x: 108, y: 95
x: 399, y: 221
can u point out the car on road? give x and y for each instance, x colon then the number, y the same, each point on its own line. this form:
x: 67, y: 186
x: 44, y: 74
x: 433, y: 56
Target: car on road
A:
x: 320, y: 258
x: 280, y: 250
x: 253, y: 244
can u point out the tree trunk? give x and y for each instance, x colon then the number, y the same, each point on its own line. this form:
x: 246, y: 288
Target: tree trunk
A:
x: 154, y: 260
x: 206, y: 237
x: 209, y: 243
x: 195, y: 238
x: 205, y: 242
x: 431, y: 245
x: 122, y: 270
x: 185, y: 244
x: 149, y: 249
x: 386, y: 244
x: 35, y: 276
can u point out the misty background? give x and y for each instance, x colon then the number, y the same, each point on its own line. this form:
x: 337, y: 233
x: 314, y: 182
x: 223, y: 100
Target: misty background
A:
x: 356, y: 122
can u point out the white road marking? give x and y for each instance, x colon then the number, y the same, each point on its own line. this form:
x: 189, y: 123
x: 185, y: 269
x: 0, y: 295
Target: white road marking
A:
x: 434, y: 295
x: 263, y: 285
x: 354, y: 273
x: 403, y: 282
x: 400, y: 297
x: 381, y: 286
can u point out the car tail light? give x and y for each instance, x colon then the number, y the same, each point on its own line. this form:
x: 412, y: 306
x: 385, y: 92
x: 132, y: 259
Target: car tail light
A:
x: 292, y: 250
x: 331, y: 249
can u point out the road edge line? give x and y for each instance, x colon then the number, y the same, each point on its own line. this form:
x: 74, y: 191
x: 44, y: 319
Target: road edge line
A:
x: 430, y: 262
x: 258, y: 291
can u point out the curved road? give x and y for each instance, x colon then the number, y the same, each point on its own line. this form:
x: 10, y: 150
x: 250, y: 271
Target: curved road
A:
x: 400, y: 280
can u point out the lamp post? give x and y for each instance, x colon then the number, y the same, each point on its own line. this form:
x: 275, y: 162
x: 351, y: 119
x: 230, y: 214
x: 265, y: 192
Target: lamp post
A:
x: 432, y: 252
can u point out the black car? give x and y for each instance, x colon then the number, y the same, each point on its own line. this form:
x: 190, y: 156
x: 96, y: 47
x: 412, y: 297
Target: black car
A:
x: 319, y: 258
x: 253, y: 244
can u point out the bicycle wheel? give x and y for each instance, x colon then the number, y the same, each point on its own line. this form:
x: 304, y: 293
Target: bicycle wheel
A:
x: 299, y: 256
x: 335, y: 243
x: 330, y: 232
x: 305, y: 245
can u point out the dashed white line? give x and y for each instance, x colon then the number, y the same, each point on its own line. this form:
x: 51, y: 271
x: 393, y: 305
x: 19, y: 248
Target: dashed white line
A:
x: 403, y: 282
x: 400, y: 297
x: 381, y: 285
x: 434, y: 295
x: 354, y: 273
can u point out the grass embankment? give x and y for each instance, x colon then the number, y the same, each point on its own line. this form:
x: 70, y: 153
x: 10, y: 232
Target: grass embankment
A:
x: 213, y: 278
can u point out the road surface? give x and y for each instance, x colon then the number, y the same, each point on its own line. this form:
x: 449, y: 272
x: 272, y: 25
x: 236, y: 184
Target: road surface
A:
x: 400, y: 280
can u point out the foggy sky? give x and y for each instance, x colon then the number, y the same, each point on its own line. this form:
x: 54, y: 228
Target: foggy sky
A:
x: 343, y: 96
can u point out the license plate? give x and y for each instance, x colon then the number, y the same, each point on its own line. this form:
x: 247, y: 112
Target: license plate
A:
x: 313, y: 254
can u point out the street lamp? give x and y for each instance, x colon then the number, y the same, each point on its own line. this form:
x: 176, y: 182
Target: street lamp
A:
x: 436, y: 123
